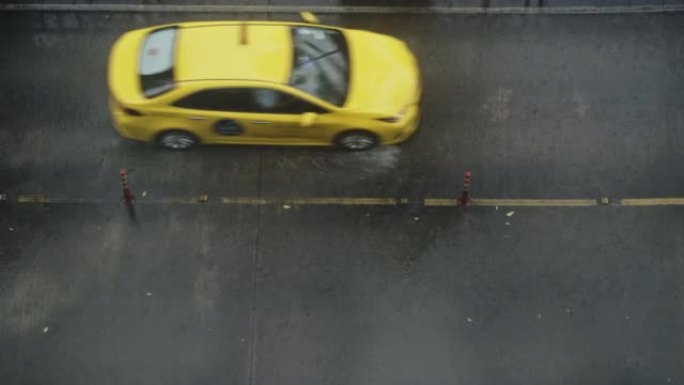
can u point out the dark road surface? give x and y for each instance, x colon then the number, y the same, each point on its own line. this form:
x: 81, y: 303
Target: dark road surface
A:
x: 343, y: 295
x: 577, y: 106
x: 556, y: 106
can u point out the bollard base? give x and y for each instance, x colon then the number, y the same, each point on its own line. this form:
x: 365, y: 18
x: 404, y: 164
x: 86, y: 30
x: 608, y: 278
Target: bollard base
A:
x: 465, y: 200
x: 128, y: 196
x: 465, y: 196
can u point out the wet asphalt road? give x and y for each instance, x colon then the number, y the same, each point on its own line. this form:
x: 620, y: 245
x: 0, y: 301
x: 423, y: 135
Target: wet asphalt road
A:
x: 575, y: 106
x: 213, y: 294
x: 537, y: 107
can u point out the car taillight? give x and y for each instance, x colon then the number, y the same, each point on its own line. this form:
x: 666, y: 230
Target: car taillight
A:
x: 129, y: 111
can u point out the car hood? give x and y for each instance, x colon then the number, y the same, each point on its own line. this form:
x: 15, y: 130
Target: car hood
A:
x: 384, y: 73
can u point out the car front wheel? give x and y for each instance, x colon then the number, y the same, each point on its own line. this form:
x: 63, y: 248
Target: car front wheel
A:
x: 177, y: 140
x: 357, y: 141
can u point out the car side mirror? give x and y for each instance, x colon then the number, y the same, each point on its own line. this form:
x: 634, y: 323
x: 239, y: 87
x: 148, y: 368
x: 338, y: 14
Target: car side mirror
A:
x: 308, y: 119
x: 309, y: 17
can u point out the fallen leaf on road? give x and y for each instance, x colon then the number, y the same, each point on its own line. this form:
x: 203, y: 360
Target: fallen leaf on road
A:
x: 510, y: 213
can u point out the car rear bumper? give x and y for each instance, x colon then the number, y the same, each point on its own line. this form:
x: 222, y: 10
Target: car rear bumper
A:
x: 123, y: 124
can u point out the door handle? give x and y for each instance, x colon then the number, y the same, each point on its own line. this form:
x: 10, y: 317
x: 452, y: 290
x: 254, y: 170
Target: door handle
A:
x: 260, y: 122
x: 197, y: 118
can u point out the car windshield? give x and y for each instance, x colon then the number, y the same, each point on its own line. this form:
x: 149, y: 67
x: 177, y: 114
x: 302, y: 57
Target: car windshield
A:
x: 321, y: 63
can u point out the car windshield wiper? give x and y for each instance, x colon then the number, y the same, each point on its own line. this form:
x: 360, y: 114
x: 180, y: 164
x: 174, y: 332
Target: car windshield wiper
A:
x: 321, y: 56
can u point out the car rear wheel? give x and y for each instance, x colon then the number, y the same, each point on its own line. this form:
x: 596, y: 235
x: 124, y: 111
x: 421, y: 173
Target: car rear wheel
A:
x: 357, y: 141
x: 177, y: 140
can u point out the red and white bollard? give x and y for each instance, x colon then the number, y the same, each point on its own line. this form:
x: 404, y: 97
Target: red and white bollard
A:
x: 465, y: 195
x: 128, y: 197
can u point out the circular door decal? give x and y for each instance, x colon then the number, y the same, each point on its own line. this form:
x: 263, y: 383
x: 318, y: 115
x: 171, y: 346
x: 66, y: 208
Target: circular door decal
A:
x: 228, y: 127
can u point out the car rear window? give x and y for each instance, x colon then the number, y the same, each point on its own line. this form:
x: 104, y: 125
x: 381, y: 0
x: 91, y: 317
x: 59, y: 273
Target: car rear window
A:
x: 156, y: 62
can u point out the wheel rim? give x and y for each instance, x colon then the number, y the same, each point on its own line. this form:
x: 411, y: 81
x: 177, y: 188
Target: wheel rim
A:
x: 357, y: 142
x: 177, y: 141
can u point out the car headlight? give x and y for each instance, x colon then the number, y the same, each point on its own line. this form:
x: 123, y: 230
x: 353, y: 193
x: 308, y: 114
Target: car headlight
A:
x: 394, y: 118
x: 390, y: 119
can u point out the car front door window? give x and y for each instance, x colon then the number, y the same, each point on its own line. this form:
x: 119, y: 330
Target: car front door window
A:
x: 275, y: 102
x: 219, y: 99
x: 249, y: 100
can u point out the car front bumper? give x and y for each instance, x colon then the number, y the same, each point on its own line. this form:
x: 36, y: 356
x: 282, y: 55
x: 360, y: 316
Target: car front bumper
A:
x: 409, y: 126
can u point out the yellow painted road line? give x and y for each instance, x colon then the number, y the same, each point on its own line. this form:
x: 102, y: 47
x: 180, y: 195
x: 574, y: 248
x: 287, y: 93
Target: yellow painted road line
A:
x: 653, y: 202
x: 378, y: 201
x: 244, y: 201
x: 47, y: 199
x: 33, y: 199
x: 534, y: 202
x: 167, y: 201
x: 441, y: 202
x: 312, y: 201
x: 345, y: 201
x: 514, y: 202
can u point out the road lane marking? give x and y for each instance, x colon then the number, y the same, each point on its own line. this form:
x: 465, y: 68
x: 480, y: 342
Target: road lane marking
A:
x: 361, y: 201
x: 514, y: 202
x: 168, y: 200
x: 534, y: 202
x: 312, y: 201
x: 272, y: 9
x: 47, y: 199
x: 653, y: 202
x: 34, y: 199
x: 441, y: 202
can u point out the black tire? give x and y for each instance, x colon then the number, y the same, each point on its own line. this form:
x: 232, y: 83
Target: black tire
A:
x: 356, y: 140
x: 177, y: 140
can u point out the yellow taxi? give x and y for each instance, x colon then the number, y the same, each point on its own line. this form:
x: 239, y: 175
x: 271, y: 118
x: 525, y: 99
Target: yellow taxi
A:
x: 268, y: 83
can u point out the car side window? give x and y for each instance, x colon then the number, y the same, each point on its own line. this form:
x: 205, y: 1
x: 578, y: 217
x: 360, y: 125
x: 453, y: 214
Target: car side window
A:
x: 218, y: 99
x: 253, y: 100
x: 276, y: 102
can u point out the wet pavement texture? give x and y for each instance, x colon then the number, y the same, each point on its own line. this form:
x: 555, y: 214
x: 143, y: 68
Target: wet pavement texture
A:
x: 575, y: 106
x: 347, y: 295
x: 558, y: 106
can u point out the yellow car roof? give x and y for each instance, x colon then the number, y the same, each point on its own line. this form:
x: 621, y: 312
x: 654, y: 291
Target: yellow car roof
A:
x: 241, y: 51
